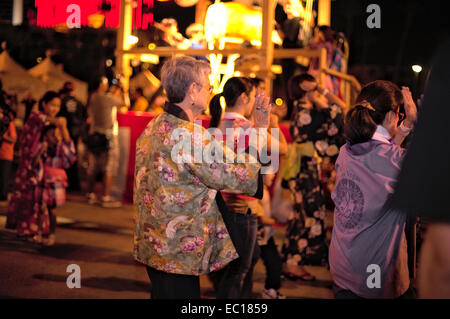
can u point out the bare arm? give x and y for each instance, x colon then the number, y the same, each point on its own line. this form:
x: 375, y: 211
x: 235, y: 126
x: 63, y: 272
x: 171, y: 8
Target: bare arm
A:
x: 280, y: 141
x: 411, y: 117
x: 9, y: 139
x: 11, y: 134
x: 64, y: 130
x: 333, y: 98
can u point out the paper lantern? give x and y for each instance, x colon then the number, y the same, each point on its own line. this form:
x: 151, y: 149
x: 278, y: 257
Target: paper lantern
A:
x: 234, y: 20
x: 96, y: 20
x: 186, y: 3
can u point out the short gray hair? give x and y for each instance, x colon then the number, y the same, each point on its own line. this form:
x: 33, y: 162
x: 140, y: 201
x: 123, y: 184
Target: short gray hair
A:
x: 178, y: 73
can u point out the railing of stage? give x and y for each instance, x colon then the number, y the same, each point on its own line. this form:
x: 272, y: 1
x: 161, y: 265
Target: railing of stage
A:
x: 350, y: 86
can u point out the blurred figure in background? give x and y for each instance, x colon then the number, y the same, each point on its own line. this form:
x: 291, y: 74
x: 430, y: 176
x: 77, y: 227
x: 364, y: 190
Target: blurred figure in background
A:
x: 267, y: 247
x: 316, y: 130
x: 29, y: 103
x: 196, y: 35
x: 7, y: 141
x: 57, y: 154
x: 5, y: 111
x: 171, y: 35
x: 103, y: 143
x: 140, y: 101
x: 197, y: 40
x: 325, y: 37
x: 75, y: 113
x: 290, y: 16
x: 25, y: 211
x: 157, y: 101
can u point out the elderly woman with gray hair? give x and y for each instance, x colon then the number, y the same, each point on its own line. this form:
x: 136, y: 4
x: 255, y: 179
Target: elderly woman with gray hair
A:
x: 180, y: 233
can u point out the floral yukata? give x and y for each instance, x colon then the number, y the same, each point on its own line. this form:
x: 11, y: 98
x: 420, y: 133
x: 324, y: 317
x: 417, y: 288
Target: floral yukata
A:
x: 53, y: 175
x: 179, y: 228
x: 34, y: 185
x: 317, y: 134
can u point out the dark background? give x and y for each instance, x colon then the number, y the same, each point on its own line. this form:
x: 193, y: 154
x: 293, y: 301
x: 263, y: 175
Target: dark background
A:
x: 410, y: 32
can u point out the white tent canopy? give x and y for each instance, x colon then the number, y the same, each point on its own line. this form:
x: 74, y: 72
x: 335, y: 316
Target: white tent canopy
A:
x: 54, y: 78
x: 16, y: 79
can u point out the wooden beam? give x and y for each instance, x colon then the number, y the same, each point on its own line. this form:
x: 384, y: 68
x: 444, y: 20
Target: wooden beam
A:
x: 293, y: 53
x: 322, y: 65
x: 347, y: 77
x: 122, y: 60
x: 277, y: 53
x: 166, y: 51
x: 268, y: 16
x: 200, y: 11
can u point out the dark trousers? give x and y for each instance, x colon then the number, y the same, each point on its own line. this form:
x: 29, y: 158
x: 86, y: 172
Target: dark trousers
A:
x: 247, y: 287
x: 173, y: 286
x: 242, y: 229
x: 340, y: 293
x: 272, y: 261
x: 52, y: 221
x: 72, y: 175
x: 5, y: 168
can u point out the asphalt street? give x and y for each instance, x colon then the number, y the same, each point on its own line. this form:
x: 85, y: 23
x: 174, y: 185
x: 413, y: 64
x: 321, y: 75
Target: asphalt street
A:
x: 100, y: 242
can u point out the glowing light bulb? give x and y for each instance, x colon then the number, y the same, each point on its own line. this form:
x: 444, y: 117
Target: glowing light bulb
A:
x: 417, y: 68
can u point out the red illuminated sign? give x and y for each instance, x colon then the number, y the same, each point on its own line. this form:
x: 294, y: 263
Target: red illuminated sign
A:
x: 56, y: 12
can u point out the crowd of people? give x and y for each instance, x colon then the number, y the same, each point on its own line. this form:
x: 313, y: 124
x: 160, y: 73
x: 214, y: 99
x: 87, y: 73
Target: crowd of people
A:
x: 363, y: 142
x: 353, y: 154
x: 63, y: 144
x: 350, y: 154
x: 215, y: 218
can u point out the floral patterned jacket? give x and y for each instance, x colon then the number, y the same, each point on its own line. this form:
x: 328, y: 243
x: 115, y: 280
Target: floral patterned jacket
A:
x: 324, y: 128
x: 179, y: 228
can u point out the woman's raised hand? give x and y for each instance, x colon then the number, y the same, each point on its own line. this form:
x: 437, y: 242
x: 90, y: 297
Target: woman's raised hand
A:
x: 410, y: 107
x: 261, y: 112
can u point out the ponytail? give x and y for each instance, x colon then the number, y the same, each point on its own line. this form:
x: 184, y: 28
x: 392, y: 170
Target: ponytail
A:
x: 215, y: 110
x: 375, y: 100
x: 359, y: 125
x: 232, y: 89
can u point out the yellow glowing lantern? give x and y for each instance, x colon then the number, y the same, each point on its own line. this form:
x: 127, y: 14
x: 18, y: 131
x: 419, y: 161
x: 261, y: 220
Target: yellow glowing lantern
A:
x: 186, y: 3
x: 277, y: 69
x: 96, y: 20
x: 233, y: 20
x: 150, y: 58
x: 132, y: 39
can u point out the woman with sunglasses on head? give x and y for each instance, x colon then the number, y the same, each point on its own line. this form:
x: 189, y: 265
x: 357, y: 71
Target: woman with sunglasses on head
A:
x: 368, y: 253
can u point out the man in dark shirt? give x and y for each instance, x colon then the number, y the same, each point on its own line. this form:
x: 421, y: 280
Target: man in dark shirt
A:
x: 76, y: 115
